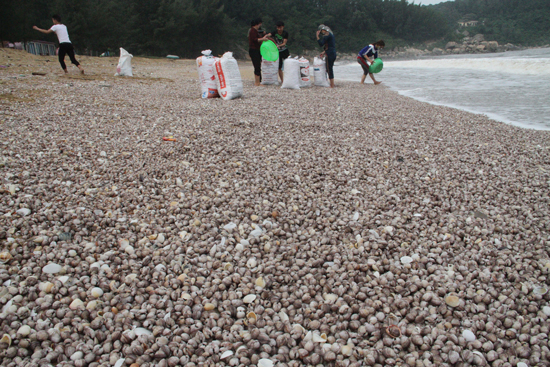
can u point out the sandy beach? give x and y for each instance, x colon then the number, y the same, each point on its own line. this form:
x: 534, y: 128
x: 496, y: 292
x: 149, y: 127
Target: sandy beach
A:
x: 343, y: 227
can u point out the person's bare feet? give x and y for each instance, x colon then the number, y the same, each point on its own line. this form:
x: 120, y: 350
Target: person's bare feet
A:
x: 82, y: 71
x: 376, y: 83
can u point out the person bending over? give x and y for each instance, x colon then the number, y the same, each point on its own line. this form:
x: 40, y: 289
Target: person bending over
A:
x: 281, y: 38
x: 366, y: 56
x: 329, y: 44
x: 65, y: 45
x: 254, y: 43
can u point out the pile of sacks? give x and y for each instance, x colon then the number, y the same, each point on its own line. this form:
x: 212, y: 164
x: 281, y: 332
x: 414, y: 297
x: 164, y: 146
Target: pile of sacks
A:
x: 297, y: 73
x: 219, y: 77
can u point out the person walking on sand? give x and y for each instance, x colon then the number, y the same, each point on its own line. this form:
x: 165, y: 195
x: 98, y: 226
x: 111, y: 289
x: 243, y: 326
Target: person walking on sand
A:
x: 369, y: 53
x: 65, y: 45
x: 329, y: 44
x: 254, y: 42
x: 281, y: 38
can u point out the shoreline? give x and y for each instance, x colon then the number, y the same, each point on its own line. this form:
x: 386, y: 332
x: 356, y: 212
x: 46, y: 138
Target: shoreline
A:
x: 389, y: 225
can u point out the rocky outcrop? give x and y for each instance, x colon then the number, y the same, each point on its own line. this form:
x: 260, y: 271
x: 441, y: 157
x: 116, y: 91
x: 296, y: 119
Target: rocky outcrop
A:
x: 468, y: 45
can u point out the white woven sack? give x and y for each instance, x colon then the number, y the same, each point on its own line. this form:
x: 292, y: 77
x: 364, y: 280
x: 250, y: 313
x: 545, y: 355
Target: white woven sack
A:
x: 305, y: 79
x: 320, y: 73
x: 292, y: 74
x: 207, y: 79
x: 124, y: 67
x: 228, y: 77
x: 270, y: 70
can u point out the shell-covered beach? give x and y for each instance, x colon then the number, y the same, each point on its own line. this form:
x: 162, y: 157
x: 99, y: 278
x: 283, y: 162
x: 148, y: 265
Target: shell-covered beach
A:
x: 331, y: 227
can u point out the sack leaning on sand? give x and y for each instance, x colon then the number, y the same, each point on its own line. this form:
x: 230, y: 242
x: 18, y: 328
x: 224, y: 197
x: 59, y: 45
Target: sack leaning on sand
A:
x: 292, y: 74
x: 124, y: 67
x: 305, y: 79
x: 207, y: 77
x: 320, y: 73
x: 270, y: 72
x: 228, y: 77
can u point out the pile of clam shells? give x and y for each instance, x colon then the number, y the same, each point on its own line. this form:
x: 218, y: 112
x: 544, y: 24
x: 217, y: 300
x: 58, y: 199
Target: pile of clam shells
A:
x: 345, y: 227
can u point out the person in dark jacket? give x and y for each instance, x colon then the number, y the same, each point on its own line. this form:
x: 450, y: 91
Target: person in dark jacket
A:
x: 254, y: 43
x: 328, y: 42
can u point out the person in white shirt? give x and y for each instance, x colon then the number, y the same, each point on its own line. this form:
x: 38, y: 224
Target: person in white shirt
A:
x: 65, y: 45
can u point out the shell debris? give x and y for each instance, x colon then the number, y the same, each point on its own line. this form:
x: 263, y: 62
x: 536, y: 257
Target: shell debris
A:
x: 268, y: 233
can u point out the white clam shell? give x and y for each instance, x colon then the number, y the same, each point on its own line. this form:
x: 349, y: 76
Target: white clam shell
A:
x: 124, y: 243
x: 226, y: 354
x: 347, y: 350
x: 256, y: 233
x: 546, y: 310
x: 319, y: 338
x: 130, y: 277
x: 23, y: 212
x: 119, y: 363
x: 142, y: 331
x: 24, y: 330
x: 229, y: 226
x: 51, y: 269
x: 97, y: 292
x: 249, y: 298
x: 299, y: 327
x: 6, y: 339
x: 406, y: 260
x: 468, y: 335
x: 330, y: 297
x: 264, y: 362
x: 452, y: 301
x: 46, y: 287
x: 260, y: 282
x: 283, y: 316
x: 76, y: 304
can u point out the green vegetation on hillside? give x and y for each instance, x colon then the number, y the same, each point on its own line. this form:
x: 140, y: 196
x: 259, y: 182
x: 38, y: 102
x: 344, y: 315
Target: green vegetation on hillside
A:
x: 524, y: 22
x: 185, y: 27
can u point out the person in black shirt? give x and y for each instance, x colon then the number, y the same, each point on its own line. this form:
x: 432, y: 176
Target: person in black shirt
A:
x: 280, y: 36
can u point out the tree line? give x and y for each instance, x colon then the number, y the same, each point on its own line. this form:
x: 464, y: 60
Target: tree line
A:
x: 524, y: 22
x: 185, y: 27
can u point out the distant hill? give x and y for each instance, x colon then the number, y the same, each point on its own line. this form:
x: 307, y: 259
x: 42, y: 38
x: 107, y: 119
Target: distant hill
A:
x: 524, y: 22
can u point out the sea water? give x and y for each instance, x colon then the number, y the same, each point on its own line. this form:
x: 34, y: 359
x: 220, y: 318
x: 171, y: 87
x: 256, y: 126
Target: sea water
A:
x: 512, y: 87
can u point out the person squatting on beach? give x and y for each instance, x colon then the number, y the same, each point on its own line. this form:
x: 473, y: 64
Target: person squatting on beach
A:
x: 254, y: 42
x: 329, y: 44
x: 65, y: 45
x: 369, y: 53
x: 280, y: 36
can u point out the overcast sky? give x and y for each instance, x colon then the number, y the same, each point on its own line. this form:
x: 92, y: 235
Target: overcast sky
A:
x: 427, y: 2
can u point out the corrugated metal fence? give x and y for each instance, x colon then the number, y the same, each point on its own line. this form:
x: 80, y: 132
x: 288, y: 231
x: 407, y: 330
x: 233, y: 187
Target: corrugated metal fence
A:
x: 40, y: 48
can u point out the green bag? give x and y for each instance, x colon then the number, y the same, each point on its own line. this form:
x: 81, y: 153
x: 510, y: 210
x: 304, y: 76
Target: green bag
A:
x: 269, y: 51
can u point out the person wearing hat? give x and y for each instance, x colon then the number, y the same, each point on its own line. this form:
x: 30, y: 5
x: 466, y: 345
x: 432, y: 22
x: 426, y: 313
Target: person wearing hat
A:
x: 329, y: 44
x: 254, y: 43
